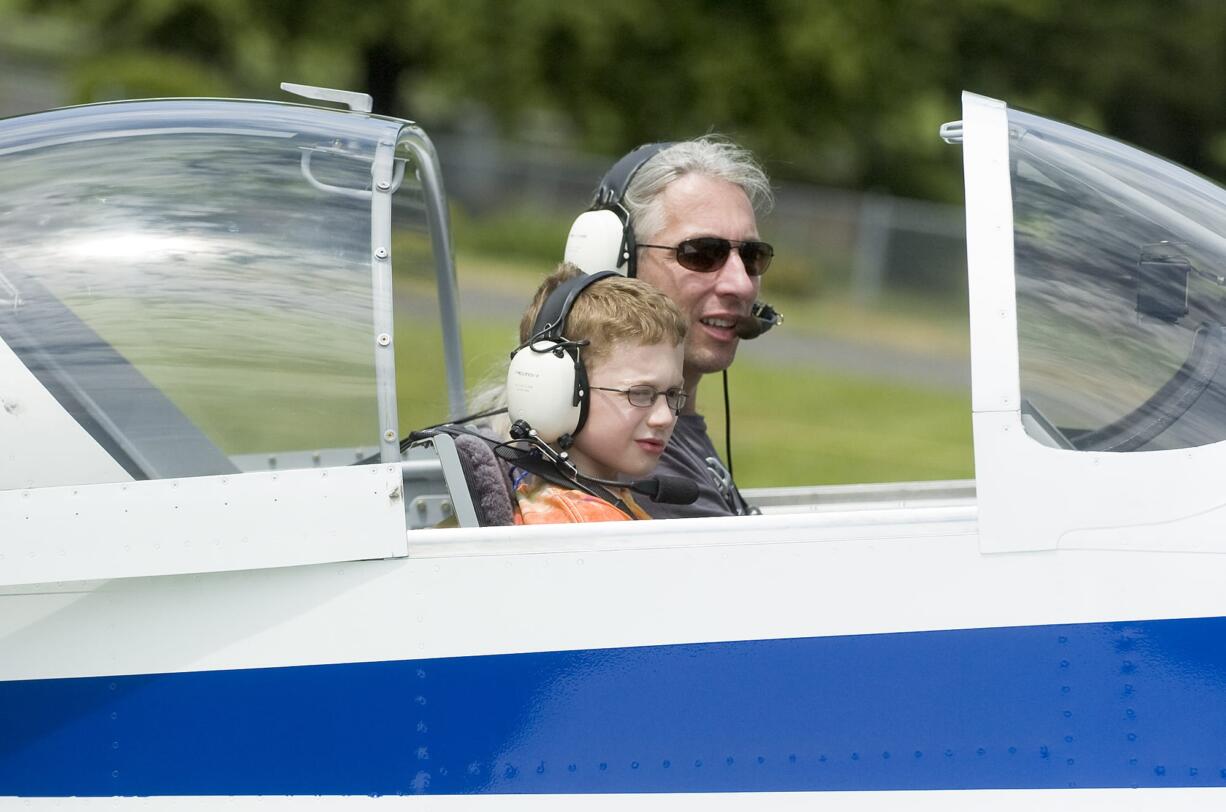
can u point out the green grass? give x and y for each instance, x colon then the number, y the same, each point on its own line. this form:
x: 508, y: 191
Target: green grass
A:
x: 251, y: 380
x: 796, y: 426
x: 421, y: 390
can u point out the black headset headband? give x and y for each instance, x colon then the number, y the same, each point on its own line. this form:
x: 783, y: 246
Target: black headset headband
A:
x: 612, y: 188
x: 551, y: 320
x: 610, y: 195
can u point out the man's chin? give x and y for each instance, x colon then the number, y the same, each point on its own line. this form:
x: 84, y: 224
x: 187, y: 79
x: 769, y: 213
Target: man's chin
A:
x: 703, y: 361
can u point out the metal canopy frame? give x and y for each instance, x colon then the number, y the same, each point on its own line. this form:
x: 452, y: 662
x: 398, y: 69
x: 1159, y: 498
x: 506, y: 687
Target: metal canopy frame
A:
x: 431, y: 177
x: 385, y: 183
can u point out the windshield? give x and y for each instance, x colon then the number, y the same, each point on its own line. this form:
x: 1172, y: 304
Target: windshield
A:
x: 192, y: 280
x: 1119, y: 260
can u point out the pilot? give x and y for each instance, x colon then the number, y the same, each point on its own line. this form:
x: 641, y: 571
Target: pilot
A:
x: 597, y: 377
x: 687, y: 211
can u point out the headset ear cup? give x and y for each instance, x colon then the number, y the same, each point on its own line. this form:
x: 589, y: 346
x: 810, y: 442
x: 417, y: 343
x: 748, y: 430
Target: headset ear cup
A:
x: 602, y: 238
x: 541, y: 391
x: 596, y: 241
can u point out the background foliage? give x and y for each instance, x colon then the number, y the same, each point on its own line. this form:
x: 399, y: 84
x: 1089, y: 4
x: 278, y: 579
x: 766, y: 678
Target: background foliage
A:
x: 844, y: 93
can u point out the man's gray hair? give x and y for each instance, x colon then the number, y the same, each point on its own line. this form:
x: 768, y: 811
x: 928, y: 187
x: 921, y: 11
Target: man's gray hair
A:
x: 713, y: 156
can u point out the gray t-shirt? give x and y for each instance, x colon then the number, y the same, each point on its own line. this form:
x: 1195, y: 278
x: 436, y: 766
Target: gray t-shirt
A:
x: 691, y: 455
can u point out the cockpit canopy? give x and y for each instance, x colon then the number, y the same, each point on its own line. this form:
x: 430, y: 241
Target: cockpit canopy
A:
x: 1120, y: 264
x: 191, y: 281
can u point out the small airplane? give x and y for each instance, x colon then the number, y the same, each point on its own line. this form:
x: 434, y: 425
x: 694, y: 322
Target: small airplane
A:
x: 204, y: 598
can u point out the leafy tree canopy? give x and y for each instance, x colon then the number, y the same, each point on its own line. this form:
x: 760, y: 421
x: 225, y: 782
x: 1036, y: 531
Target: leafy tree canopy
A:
x: 844, y: 93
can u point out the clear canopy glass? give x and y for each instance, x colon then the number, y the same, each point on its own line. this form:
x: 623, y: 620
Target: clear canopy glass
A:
x: 1120, y: 264
x: 192, y: 279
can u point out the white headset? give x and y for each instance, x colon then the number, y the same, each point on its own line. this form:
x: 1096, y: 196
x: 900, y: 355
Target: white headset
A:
x: 547, y: 381
x: 602, y: 238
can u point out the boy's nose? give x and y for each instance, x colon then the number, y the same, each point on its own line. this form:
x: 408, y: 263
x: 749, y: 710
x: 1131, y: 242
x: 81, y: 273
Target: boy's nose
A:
x: 661, y: 413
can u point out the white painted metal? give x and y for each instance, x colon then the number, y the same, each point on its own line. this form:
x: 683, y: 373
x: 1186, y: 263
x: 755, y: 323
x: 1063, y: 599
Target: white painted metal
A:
x: 470, y: 592
x: 995, y: 379
x: 467, y: 592
x: 989, y: 251
x: 40, y: 444
x: 201, y: 524
x: 1154, y: 500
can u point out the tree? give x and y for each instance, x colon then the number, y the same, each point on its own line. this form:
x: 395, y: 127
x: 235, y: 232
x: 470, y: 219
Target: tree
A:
x: 843, y: 93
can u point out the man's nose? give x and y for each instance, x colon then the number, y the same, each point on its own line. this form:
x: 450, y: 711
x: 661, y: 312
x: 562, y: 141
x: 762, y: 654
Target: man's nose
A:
x: 733, y: 280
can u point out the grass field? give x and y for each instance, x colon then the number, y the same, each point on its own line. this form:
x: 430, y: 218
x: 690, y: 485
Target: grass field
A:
x: 796, y: 426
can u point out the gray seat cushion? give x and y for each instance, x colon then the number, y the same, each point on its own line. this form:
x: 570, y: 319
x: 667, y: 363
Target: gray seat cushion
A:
x: 489, y: 481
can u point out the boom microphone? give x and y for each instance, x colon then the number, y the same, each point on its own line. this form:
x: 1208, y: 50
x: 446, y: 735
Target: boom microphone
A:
x: 666, y: 490
x: 669, y: 490
x: 760, y: 319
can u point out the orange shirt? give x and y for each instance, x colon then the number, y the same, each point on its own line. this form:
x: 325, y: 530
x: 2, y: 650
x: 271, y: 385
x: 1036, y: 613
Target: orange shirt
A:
x: 541, y: 502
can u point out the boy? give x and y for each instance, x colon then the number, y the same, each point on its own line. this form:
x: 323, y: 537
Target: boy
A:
x: 629, y: 340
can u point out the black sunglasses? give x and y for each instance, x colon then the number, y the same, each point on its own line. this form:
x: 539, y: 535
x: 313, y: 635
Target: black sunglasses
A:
x: 707, y: 254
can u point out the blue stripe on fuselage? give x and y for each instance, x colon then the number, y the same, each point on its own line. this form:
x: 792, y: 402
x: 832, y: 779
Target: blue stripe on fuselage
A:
x: 1088, y: 705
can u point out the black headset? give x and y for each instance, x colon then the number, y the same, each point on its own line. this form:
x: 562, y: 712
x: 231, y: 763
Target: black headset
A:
x: 547, y: 381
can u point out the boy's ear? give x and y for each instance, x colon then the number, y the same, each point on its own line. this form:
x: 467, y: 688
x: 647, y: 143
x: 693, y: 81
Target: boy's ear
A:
x: 546, y: 381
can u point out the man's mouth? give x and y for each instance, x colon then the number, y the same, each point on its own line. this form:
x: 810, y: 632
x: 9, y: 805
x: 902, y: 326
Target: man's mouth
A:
x: 651, y: 445
x: 722, y: 329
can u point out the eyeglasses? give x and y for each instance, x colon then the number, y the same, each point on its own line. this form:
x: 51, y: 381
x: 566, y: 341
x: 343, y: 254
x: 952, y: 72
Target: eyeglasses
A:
x: 708, y: 254
x: 645, y: 396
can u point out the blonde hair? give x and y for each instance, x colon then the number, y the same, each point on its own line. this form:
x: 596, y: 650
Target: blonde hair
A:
x: 612, y: 311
